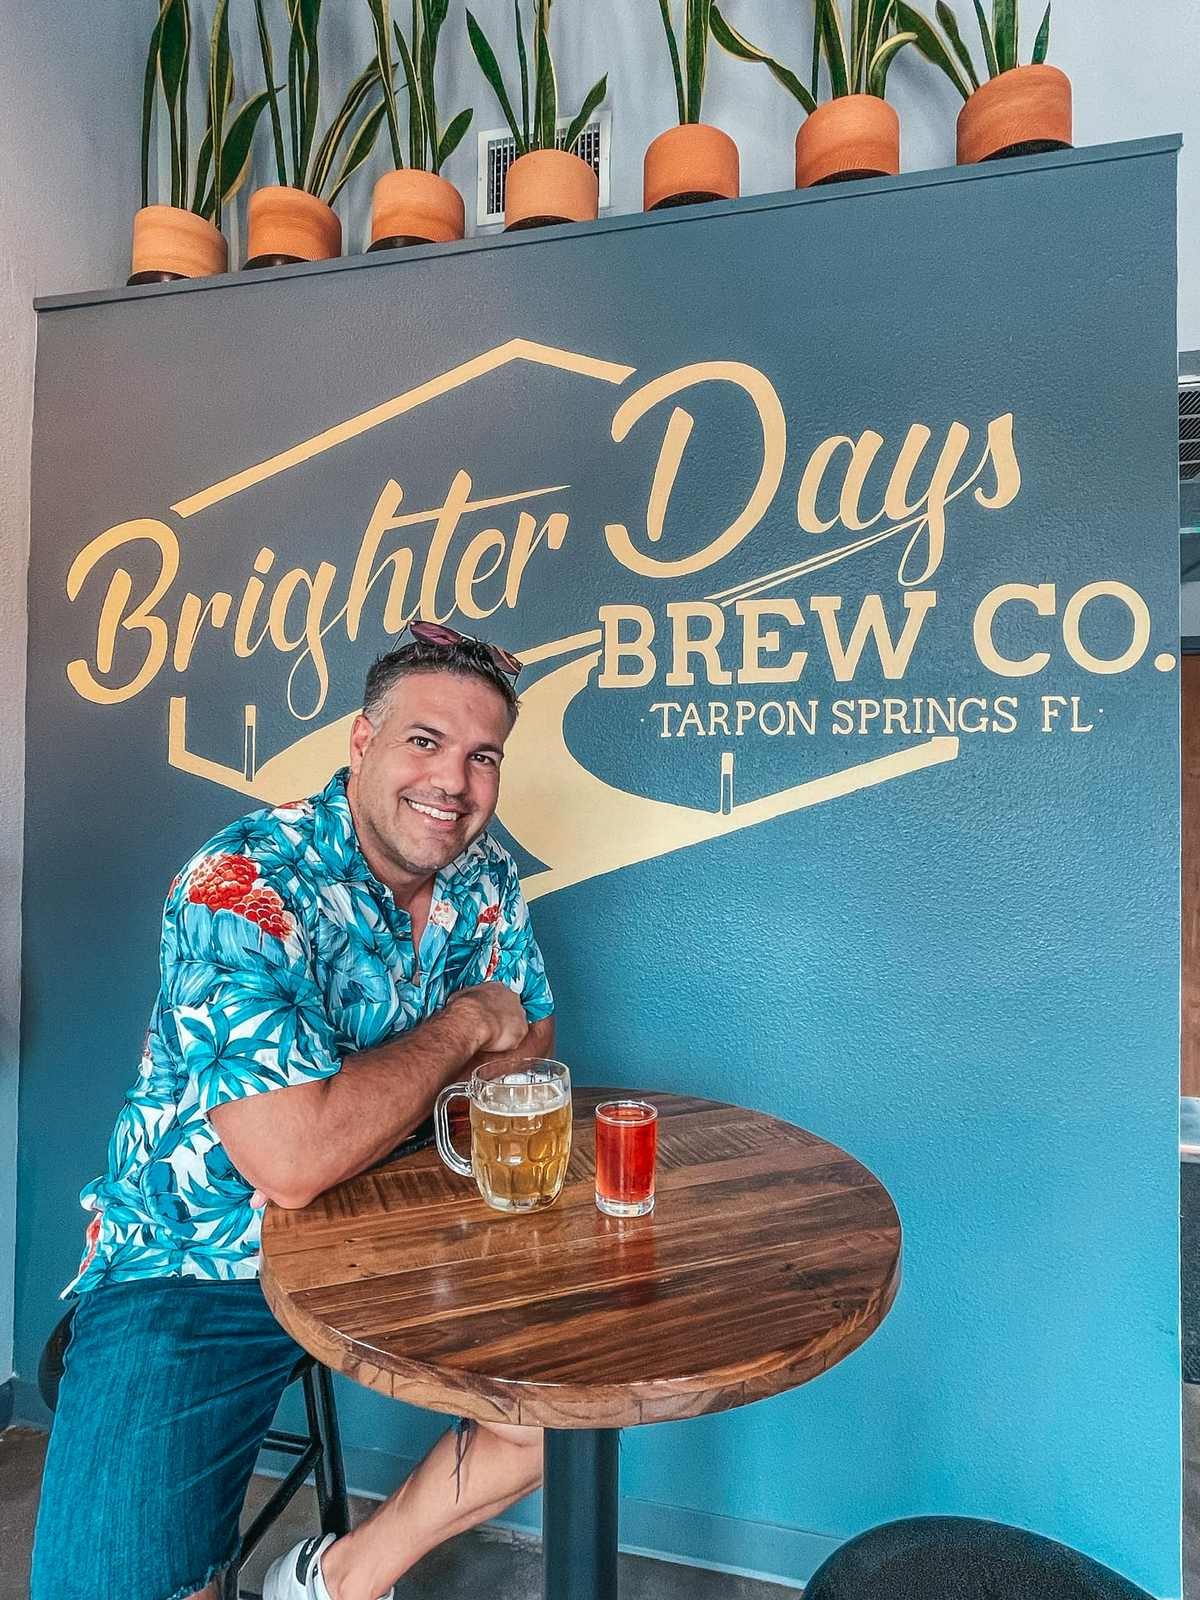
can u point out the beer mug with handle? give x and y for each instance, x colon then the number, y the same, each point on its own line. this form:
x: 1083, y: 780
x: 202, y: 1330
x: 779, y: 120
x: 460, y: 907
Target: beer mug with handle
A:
x: 520, y: 1131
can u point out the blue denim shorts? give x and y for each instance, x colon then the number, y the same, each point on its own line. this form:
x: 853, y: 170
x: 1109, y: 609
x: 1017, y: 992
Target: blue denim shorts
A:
x: 168, y: 1387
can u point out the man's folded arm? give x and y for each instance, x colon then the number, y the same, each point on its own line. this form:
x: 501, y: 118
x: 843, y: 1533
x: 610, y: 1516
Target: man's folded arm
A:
x: 294, y: 1143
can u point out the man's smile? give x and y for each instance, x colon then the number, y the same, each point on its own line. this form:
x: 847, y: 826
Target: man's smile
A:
x: 442, y: 815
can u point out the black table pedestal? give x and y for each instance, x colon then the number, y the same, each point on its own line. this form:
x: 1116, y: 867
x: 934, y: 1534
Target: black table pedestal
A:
x: 579, y: 1514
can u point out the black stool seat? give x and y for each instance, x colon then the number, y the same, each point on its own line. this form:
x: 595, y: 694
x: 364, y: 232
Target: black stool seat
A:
x: 319, y: 1451
x: 963, y: 1558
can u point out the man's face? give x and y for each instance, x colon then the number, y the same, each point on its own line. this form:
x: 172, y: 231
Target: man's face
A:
x: 424, y: 783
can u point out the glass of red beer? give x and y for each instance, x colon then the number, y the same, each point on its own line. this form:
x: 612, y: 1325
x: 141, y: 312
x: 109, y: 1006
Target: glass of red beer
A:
x: 626, y: 1147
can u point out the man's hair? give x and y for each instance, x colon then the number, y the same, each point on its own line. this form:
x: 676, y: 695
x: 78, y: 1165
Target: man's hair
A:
x: 465, y: 660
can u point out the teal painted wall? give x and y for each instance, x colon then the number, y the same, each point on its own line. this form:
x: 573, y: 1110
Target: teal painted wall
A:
x: 70, y: 183
x: 967, y: 975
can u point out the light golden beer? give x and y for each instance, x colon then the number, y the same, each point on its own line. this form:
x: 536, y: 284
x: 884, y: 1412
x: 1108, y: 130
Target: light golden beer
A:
x: 520, y: 1140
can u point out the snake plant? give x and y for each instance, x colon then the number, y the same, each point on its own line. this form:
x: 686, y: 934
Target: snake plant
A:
x: 537, y: 128
x: 948, y: 50
x: 223, y: 157
x: 428, y: 148
x: 321, y: 167
x: 689, y: 68
x: 856, y: 61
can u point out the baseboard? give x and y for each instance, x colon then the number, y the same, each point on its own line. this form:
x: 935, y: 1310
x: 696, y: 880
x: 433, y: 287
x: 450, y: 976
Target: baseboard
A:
x: 679, y: 1534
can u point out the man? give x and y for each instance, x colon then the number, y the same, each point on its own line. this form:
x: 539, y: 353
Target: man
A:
x: 326, y: 968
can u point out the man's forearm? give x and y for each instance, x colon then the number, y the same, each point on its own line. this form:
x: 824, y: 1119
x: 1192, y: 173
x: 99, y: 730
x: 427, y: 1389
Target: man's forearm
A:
x: 293, y: 1144
x: 368, y: 1084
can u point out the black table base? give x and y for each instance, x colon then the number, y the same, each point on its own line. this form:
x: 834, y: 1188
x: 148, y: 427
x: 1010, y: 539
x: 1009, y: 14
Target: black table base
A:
x: 579, y: 1514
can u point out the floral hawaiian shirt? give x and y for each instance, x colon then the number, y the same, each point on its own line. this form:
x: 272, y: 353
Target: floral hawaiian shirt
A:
x: 281, y: 952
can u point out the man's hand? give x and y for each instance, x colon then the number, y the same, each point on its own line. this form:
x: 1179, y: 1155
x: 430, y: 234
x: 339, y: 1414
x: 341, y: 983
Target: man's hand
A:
x: 497, y: 1013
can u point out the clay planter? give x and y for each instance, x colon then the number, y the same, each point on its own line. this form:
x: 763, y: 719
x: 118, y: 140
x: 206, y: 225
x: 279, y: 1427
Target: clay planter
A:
x: 690, y: 164
x: 413, y: 207
x: 169, y: 243
x: 854, y: 136
x: 1021, y: 113
x: 287, y: 225
x: 550, y: 186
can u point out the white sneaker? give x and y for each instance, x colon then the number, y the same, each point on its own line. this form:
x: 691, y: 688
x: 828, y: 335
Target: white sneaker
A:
x: 297, y: 1575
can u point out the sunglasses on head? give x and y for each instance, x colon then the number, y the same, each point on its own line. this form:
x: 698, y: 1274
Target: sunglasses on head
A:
x: 438, y: 634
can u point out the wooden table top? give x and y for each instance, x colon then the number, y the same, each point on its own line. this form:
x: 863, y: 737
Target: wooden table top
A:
x: 770, y: 1255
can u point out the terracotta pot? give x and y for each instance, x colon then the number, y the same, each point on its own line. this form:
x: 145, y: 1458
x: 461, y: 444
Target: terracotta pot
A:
x: 170, y: 243
x: 286, y: 225
x: 413, y: 207
x: 854, y: 136
x: 1020, y: 113
x: 550, y: 186
x: 689, y: 164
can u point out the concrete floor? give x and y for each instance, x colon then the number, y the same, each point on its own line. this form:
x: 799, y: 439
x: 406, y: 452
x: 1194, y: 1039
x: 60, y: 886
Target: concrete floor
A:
x: 479, y: 1563
x: 484, y: 1562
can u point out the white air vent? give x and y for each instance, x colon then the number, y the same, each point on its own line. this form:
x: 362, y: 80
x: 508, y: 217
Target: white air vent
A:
x: 497, y: 153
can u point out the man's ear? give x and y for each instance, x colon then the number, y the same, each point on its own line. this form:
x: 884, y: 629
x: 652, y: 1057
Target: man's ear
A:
x: 361, y: 735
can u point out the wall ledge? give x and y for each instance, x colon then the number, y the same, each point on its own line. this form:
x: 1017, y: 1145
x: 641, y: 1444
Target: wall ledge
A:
x: 827, y: 194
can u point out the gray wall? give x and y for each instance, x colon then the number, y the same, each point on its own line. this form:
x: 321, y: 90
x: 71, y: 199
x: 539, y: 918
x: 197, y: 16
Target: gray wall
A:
x: 68, y: 154
x: 1135, y: 72
x: 69, y: 158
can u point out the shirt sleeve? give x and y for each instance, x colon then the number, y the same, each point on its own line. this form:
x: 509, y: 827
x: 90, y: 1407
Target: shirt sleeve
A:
x: 516, y: 960
x: 240, y: 994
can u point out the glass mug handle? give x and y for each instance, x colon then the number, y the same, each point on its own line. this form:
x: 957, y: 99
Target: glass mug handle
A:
x: 441, y: 1128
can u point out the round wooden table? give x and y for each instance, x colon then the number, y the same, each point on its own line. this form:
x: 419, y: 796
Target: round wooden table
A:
x: 770, y: 1255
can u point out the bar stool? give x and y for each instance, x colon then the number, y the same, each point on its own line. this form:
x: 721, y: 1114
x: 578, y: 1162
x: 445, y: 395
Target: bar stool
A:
x: 318, y: 1451
x: 930, y: 1558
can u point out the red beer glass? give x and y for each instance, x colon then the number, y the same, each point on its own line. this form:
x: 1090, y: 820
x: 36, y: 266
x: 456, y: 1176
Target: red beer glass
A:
x: 626, y: 1147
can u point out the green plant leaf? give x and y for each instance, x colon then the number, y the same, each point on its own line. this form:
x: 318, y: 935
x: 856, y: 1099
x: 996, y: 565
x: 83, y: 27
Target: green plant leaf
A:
x: 337, y: 130
x: 697, y: 24
x: 958, y: 44
x: 202, y: 193
x: 858, y: 39
x: 239, y: 149
x: 220, y: 87
x: 490, y: 67
x: 1041, y: 44
x: 829, y: 23
x: 545, y: 86
x: 590, y: 101
x: 310, y: 17
x: 738, y: 45
x: 523, y: 64
x: 989, y: 44
x: 876, y: 29
x: 171, y: 57
x: 359, y: 149
x: 453, y: 137
x: 426, y: 59
x: 887, y: 52
x: 929, y: 43
x: 268, y: 65
x: 295, y: 79
x: 664, y: 7
x: 1004, y: 33
x: 184, y: 141
x: 239, y: 143
x: 149, y: 84
x: 416, y: 120
x: 380, y: 18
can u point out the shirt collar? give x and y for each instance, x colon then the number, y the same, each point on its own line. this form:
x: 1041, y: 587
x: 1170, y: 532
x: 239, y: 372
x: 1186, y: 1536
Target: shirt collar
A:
x: 334, y: 803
